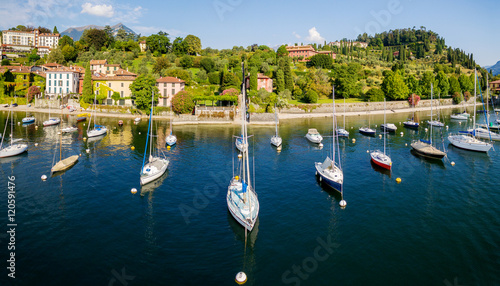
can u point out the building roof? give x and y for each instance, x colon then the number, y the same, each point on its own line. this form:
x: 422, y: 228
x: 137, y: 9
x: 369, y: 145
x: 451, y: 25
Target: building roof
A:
x: 169, y: 79
x: 112, y: 65
x: 16, y: 69
x: 51, y: 65
x: 98, y: 62
x: 120, y: 75
x: 262, y: 76
x: 122, y: 72
x: 300, y: 48
x: 496, y: 81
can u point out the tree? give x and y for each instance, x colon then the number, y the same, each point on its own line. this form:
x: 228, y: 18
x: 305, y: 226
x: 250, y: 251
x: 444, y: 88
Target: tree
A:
x: 69, y: 53
x: 87, y: 94
x: 282, y: 52
x: 465, y: 83
x: 321, y: 61
x: 193, y: 45
x: 347, y: 80
x: 121, y: 35
x: 33, y: 56
x: 182, y: 102
x: 311, y: 96
x: 66, y: 40
x: 228, y: 80
x: 141, y: 89
x: 288, y: 75
x: 179, y: 73
x: 56, y: 56
x: 179, y: 47
x: 44, y: 30
x: 186, y: 61
x: 110, y: 39
x: 55, y: 30
x: 425, y: 83
x: 253, y: 79
x: 413, y: 84
x: 95, y: 38
x: 443, y: 83
x: 454, y: 85
x: 280, y: 81
x: 375, y: 94
x: 158, y: 43
x: 161, y: 63
x: 202, y: 75
x: 207, y: 64
x: 394, y: 87
x: 115, y: 97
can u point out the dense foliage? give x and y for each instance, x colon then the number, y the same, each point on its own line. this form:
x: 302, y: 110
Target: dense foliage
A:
x: 183, y: 102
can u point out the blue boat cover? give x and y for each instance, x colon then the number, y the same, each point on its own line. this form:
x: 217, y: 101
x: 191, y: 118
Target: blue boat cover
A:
x: 425, y: 141
x: 99, y: 126
x: 244, y: 189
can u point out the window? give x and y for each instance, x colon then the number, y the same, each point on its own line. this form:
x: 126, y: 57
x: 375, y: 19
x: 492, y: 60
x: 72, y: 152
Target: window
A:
x: 49, y: 75
x: 109, y: 93
x: 165, y: 92
x: 173, y: 84
x: 49, y: 83
x: 67, y: 90
x: 67, y: 83
x: 109, y: 84
x: 121, y: 93
x: 49, y: 89
x: 97, y: 84
x: 173, y: 91
x: 60, y: 90
x: 60, y: 76
x: 67, y: 76
x: 122, y: 84
x: 164, y: 84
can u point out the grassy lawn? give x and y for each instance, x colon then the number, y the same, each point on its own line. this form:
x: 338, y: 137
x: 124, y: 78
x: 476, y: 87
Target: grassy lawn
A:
x: 328, y: 100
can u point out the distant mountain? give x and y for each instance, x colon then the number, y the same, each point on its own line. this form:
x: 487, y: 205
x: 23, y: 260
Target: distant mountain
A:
x: 495, y: 69
x: 77, y: 32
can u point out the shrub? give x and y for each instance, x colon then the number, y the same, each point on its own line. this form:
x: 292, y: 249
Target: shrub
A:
x: 230, y: 92
x: 311, y: 96
x: 413, y: 99
x: 182, y: 102
x: 457, y: 97
x: 375, y: 94
x: 214, y: 78
x: 467, y: 95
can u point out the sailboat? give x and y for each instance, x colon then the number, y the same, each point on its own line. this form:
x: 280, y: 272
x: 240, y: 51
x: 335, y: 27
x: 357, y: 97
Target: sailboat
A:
x: 495, y: 125
x: 276, y: 139
x: 63, y: 164
x: 330, y: 171
x: 28, y: 119
x: 342, y: 132
x: 240, y: 143
x: 367, y: 130
x: 411, y: 123
x: 52, y: 120
x: 435, y: 123
x: 379, y: 158
x: 484, y: 132
x: 11, y: 149
x: 424, y: 147
x: 98, y: 129
x: 171, y: 138
x: 157, y: 165
x: 242, y: 201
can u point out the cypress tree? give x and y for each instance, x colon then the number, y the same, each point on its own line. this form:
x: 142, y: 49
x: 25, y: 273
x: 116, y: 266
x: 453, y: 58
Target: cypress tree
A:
x: 253, y: 79
x: 280, y: 81
x: 87, y: 85
x: 288, y: 76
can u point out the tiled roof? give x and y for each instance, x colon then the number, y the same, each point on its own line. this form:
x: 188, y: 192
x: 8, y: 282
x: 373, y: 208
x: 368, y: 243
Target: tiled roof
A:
x: 496, y: 81
x: 16, y: 69
x: 122, y: 72
x: 98, y: 62
x: 169, y: 79
x: 112, y: 65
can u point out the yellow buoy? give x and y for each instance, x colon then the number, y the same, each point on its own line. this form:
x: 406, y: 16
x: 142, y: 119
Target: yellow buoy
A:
x: 84, y: 138
x: 353, y: 140
x: 453, y: 163
x: 237, y: 178
x: 36, y: 126
x: 133, y: 148
x: 133, y: 191
x: 406, y: 144
x: 240, y: 156
x: 380, y: 136
x: 168, y: 147
x: 398, y: 180
x: 367, y: 151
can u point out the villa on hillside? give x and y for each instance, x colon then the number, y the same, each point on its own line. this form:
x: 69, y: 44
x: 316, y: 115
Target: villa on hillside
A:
x: 26, y: 41
x: 305, y: 52
x: 263, y: 81
x: 118, y: 80
x: 168, y: 86
x: 495, y: 86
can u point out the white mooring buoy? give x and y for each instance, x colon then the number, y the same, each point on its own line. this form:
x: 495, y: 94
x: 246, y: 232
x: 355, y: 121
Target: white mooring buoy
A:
x: 133, y: 191
x: 241, y: 278
x: 453, y: 163
x: 343, y: 203
x: 44, y: 177
x: 88, y: 150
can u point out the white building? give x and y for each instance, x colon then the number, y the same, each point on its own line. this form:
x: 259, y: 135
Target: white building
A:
x: 26, y: 41
x: 168, y: 86
x: 61, y: 81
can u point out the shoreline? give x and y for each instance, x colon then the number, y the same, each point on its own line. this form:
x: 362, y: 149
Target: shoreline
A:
x: 236, y: 121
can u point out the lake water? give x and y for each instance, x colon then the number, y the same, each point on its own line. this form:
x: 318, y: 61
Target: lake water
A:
x: 439, y: 226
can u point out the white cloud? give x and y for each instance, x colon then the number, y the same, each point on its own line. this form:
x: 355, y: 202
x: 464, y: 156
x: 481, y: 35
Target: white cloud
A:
x: 125, y: 13
x: 296, y: 35
x: 98, y: 10
x: 314, y: 36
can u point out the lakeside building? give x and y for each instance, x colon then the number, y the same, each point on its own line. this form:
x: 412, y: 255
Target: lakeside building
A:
x: 305, y: 52
x: 119, y: 80
x: 495, y: 86
x: 168, y: 86
x: 18, y: 79
x: 26, y: 41
x: 62, y: 81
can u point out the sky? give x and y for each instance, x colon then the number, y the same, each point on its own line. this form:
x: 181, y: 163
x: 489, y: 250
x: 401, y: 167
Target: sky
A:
x: 222, y: 24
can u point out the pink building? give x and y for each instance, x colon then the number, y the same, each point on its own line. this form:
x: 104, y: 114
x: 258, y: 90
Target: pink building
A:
x: 306, y: 52
x: 263, y: 81
x: 168, y: 86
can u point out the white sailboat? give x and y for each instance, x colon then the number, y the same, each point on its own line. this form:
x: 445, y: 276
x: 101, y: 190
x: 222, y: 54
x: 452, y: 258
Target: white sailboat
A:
x: 329, y: 171
x: 342, y: 132
x: 367, y: 130
x: 411, y: 123
x: 379, y: 158
x: 171, y: 138
x: 157, y: 164
x: 435, y: 123
x: 52, y: 120
x: 98, y: 130
x: 11, y: 149
x: 63, y: 164
x: 241, y: 198
x: 28, y: 119
x: 276, y: 139
x: 424, y: 147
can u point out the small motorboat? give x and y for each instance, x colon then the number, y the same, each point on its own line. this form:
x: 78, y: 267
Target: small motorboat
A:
x: 137, y: 119
x: 390, y: 127
x: 314, y: 136
x: 120, y: 123
x: 459, y: 116
x: 367, y: 131
x: 81, y: 119
x: 29, y: 119
x: 52, y: 121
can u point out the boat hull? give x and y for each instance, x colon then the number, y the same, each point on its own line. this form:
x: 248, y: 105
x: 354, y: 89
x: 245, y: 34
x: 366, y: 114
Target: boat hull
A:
x: 389, y: 127
x: 411, y: 124
x: 97, y: 132
x: 65, y: 164
x: 245, y: 218
x: 28, y: 119
x: 151, y: 172
x: 242, y: 147
x: 469, y: 143
x: 276, y: 141
x: 336, y: 185
x: 427, y: 150
x: 342, y: 132
x: 381, y: 160
x: 314, y: 138
x: 52, y: 121
x: 171, y: 140
x: 367, y: 131
x: 13, y: 150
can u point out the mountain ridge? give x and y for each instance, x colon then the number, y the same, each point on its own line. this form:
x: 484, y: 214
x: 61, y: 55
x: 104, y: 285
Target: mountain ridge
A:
x: 77, y: 32
x: 495, y: 69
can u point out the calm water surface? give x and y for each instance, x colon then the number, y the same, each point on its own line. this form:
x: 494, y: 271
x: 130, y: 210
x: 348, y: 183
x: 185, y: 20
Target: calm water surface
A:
x: 439, y: 226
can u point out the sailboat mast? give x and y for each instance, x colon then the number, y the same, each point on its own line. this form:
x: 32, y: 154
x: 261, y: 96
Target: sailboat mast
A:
x: 151, y: 123
x: 385, y: 128
x: 432, y: 89
x: 344, y: 112
x: 276, y: 120
x: 475, y: 99
x: 11, y: 125
x: 333, y: 125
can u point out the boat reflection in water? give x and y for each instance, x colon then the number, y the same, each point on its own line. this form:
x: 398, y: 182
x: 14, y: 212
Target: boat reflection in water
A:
x: 434, y: 161
x: 381, y: 170
x: 149, y: 188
